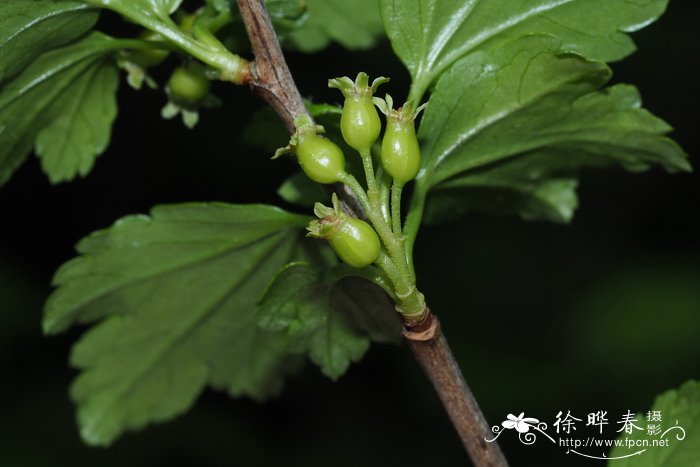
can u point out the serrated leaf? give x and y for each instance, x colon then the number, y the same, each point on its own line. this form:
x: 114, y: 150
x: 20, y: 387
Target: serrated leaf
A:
x: 298, y: 303
x: 430, y: 36
x: 354, y: 25
x: 28, y: 28
x: 65, y: 103
x: 289, y: 305
x: 175, y: 295
x: 677, y: 407
x: 526, y: 120
x: 69, y: 144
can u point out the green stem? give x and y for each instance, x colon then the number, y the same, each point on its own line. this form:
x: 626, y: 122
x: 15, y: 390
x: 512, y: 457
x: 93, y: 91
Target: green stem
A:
x: 207, y: 24
x: 396, y: 190
x: 384, y: 183
x: 374, y: 217
x: 410, y: 300
x: 368, y: 165
x: 218, y: 21
x: 387, y: 265
x: 231, y: 67
x: 415, y: 94
x: 357, y: 189
x: 142, y: 44
x: 413, y: 220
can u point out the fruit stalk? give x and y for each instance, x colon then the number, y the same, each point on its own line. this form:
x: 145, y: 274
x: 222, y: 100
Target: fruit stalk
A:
x: 271, y: 79
x: 275, y: 84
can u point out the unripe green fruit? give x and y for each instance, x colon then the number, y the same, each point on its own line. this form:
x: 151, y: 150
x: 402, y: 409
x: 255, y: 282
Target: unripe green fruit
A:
x: 360, y: 122
x: 147, y: 58
x: 320, y: 159
x: 188, y: 87
x: 400, y: 150
x: 355, y: 242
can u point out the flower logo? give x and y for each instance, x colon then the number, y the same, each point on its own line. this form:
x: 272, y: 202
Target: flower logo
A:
x: 520, y: 423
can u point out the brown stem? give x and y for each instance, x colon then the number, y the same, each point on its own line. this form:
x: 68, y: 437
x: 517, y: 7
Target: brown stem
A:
x: 271, y: 79
x: 429, y: 346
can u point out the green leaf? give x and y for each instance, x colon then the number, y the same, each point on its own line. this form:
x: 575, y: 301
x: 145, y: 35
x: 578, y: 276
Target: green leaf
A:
x: 678, y: 407
x: 505, y: 193
x: 368, y: 308
x: 286, y: 15
x: 354, y: 25
x: 527, y: 119
x: 298, y: 303
x: 219, y: 5
x: 322, y: 109
x: 161, y: 9
x: 430, y: 36
x: 65, y: 103
x: 69, y: 144
x: 175, y: 294
x: 28, y: 28
x: 265, y: 131
x: 301, y: 190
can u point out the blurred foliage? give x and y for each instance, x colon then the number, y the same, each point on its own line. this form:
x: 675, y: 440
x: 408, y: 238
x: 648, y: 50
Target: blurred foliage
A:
x: 645, y: 316
x: 674, y: 416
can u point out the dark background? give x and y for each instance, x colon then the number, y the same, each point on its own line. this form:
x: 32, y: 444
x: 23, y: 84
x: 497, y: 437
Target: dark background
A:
x: 600, y: 315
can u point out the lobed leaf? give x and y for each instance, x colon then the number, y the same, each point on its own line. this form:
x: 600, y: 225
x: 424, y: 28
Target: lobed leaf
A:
x: 28, y: 28
x: 430, y: 36
x: 65, y: 104
x: 175, y: 295
x: 330, y: 319
x: 527, y: 119
x: 69, y: 145
x: 354, y: 25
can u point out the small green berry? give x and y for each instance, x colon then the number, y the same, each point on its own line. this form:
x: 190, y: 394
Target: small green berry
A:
x: 187, y: 87
x: 320, y: 159
x: 353, y: 240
